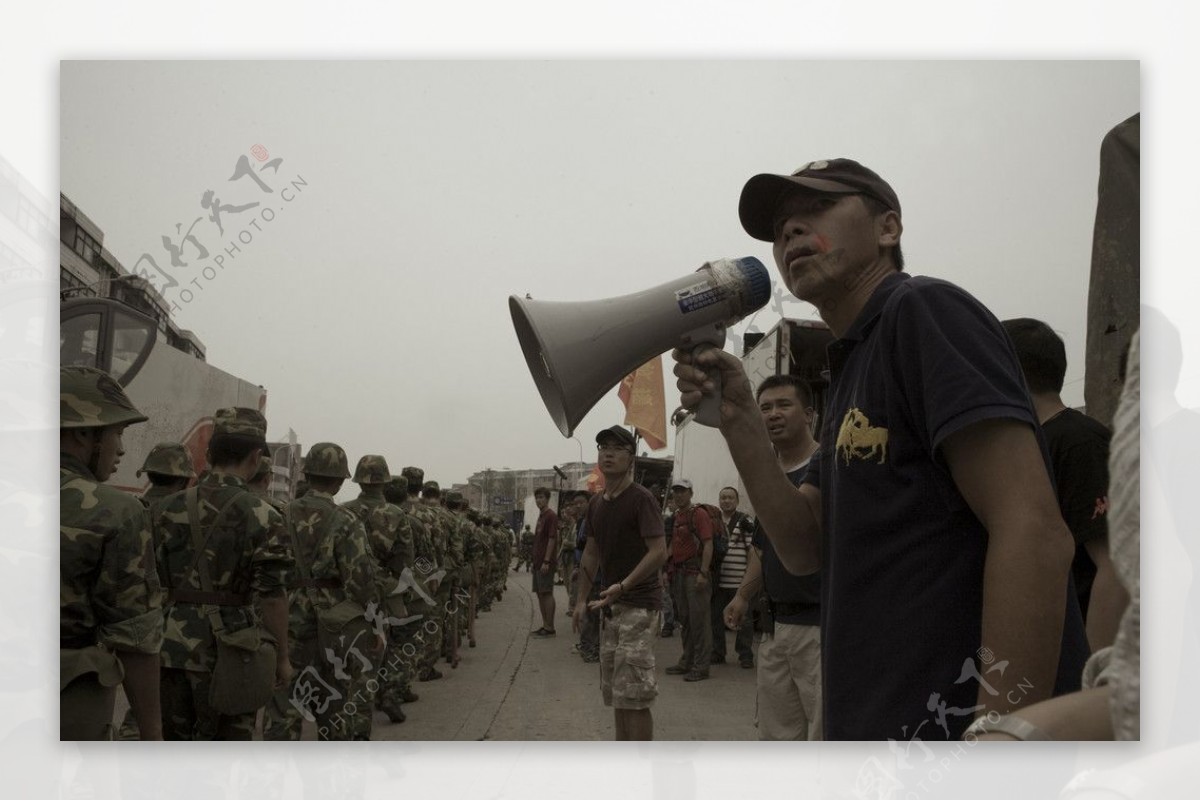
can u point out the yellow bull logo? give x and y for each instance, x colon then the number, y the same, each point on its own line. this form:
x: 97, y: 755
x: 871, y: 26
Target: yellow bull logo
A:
x: 857, y: 438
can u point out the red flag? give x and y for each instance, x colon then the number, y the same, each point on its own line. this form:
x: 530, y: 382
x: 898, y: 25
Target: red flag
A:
x: 595, y: 481
x: 645, y: 403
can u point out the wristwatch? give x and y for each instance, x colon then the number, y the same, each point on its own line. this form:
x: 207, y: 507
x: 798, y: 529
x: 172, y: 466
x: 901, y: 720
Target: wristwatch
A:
x: 1006, y: 724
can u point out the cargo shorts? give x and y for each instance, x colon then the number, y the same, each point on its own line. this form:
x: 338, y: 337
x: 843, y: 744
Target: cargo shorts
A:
x: 627, y: 678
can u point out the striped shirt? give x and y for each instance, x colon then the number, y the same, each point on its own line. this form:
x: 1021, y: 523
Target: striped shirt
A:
x: 733, y: 566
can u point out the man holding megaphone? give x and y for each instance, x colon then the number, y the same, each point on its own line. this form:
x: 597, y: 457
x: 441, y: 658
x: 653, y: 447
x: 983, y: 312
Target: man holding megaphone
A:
x: 946, y: 560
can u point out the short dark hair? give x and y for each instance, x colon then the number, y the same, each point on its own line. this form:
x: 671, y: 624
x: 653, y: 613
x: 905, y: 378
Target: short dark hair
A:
x: 877, y: 208
x: 542, y: 491
x: 733, y: 490
x: 1041, y: 352
x: 327, y: 484
x: 227, y: 449
x: 803, y: 389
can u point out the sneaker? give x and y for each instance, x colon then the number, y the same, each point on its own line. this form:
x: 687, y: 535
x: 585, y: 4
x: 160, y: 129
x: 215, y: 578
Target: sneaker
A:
x: 430, y: 675
x: 543, y: 633
x: 747, y: 663
x: 667, y: 632
x: 678, y: 670
x: 408, y: 697
x: 695, y: 675
x: 589, y: 658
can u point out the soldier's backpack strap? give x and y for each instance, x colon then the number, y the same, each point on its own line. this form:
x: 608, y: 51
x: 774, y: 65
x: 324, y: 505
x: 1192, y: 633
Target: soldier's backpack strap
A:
x: 207, y: 597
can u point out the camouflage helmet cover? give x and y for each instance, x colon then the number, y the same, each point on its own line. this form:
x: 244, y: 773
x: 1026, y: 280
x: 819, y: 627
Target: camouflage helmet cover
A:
x: 431, y: 490
x: 264, y: 467
x: 328, y: 460
x: 415, y: 477
x: 168, y: 459
x: 91, y: 398
x: 372, y: 469
x: 453, y: 498
x: 240, y: 421
x: 396, y: 490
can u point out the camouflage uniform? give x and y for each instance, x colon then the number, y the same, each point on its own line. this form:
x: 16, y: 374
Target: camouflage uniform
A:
x: 419, y: 600
x: 168, y: 459
x: 110, y: 597
x: 471, y: 574
x: 249, y: 555
x: 391, y: 539
x: 450, y: 595
x: 431, y: 566
x: 525, y: 551
x: 502, y: 548
x: 328, y: 688
x: 264, y: 467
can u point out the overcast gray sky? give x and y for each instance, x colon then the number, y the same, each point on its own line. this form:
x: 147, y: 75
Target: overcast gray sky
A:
x: 373, y: 306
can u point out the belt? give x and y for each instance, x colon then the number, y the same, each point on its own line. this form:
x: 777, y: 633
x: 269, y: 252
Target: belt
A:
x: 185, y: 596
x: 780, y: 609
x: 316, y: 583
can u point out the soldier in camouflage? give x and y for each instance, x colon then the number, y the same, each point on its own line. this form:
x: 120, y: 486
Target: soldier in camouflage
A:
x: 431, y: 566
x: 420, y: 602
x: 525, y: 550
x: 260, y: 484
x: 247, y: 555
x: 391, y: 539
x: 168, y: 466
x: 450, y: 596
x: 472, y: 572
x: 333, y: 564
x: 110, y: 619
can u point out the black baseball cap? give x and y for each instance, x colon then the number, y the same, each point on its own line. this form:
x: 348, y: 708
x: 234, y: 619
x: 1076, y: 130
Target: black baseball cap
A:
x: 762, y: 193
x: 618, y: 433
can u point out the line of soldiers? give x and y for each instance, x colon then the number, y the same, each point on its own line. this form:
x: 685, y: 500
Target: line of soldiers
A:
x: 413, y: 567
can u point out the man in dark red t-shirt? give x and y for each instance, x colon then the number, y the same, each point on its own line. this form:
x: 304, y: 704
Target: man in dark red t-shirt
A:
x: 545, y: 546
x: 691, y: 589
x: 627, y: 544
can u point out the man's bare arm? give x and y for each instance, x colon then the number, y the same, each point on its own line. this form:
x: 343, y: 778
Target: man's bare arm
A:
x: 999, y: 470
x: 141, y: 688
x: 1108, y: 598
x: 790, y: 517
x: 275, y: 620
x: 752, y: 582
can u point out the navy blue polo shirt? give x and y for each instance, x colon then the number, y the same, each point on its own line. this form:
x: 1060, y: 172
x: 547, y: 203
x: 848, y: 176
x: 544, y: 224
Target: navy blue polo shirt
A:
x: 902, y: 589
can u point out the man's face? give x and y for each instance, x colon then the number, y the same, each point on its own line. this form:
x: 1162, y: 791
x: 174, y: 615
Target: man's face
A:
x: 109, y: 452
x: 785, y: 416
x: 823, y: 244
x: 541, y: 500
x: 614, y: 457
x: 683, y: 496
x: 581, y: 505
x: 727, y: 500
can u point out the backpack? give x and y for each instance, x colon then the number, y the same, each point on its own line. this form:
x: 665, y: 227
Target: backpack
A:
x: 720, y: 536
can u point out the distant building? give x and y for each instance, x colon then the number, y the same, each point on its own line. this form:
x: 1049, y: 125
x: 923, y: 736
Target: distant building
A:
x: 88, y: 269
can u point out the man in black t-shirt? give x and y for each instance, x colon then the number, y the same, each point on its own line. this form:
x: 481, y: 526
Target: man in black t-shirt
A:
x: 1078, y: 448
x: 626, y: 545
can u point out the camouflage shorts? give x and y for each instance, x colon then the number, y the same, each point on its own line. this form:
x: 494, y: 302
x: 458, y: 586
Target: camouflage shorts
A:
x: 627, y: 678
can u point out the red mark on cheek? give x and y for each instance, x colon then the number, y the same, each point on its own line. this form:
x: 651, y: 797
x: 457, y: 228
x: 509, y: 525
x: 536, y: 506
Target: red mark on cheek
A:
x: 821, y: 244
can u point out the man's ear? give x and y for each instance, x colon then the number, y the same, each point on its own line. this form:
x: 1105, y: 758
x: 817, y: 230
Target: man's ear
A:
x: 890, y: 229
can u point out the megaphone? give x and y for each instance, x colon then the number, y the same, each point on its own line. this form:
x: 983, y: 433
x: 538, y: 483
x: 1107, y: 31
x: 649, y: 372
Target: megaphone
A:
x: 578, y: 351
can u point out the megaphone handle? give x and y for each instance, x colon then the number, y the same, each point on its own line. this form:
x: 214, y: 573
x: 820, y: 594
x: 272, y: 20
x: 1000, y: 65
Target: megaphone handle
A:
x: 708, y: 411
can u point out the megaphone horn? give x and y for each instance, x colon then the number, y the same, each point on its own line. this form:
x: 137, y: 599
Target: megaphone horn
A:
x: 578, y: 351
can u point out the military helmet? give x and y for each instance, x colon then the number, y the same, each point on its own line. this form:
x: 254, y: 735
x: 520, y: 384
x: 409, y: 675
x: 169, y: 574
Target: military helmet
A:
x: 415, y: 477
x: 91, y: 398
x: 453, y: 499
x: 168, y: 459
x: 372, y: 469
x: 431, y: 490
x: 264, y: 467
x: 328, y: 460
x: 396, y: 490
